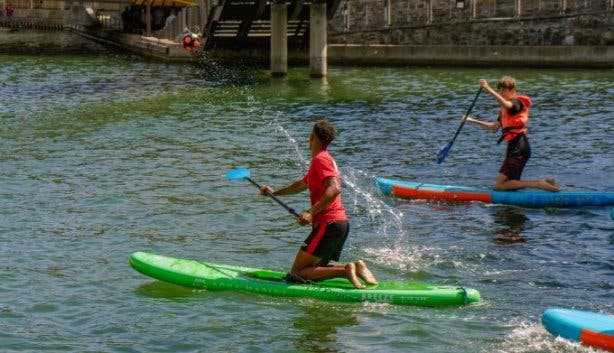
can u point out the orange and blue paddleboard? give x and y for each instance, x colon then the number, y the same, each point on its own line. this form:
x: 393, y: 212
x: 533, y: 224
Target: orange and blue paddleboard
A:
x: 523, y: 198
x: 591, y: 329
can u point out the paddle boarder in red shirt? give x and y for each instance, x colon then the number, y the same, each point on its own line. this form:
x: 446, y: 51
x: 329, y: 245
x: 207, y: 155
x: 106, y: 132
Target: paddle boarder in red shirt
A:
x: 330, y: 226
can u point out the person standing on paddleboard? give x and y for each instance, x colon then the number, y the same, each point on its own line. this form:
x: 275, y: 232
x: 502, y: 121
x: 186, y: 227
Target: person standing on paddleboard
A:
x: 330, y: 226
x: 513, y: 119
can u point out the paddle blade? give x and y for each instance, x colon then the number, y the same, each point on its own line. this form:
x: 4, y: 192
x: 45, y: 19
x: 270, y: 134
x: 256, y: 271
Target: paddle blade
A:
x: 239, y: 173
x: 443, y: 152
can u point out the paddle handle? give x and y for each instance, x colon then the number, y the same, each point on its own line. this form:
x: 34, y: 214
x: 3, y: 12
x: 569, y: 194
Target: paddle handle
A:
x: 466, y: 114
x: 281, y: 203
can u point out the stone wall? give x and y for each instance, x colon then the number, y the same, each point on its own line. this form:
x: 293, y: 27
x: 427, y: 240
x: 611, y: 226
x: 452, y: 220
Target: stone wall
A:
x: 32, y: 17
x: 484, y: 22
x: 40, y: 18
x: 45, y: 42
x: 569, y: 56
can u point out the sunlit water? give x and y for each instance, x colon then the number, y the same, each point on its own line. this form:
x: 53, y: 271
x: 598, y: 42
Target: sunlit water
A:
x: 104, y: 155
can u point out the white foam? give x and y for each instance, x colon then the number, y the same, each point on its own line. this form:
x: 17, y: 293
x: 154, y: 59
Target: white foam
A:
x: 529, y: 337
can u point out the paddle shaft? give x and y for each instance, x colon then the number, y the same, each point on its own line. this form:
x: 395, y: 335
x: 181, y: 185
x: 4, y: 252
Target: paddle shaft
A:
x: 288, y: 208
x: 466, y: 114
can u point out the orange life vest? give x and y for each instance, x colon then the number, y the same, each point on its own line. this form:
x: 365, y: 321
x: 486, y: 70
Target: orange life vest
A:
x: 514, y: 125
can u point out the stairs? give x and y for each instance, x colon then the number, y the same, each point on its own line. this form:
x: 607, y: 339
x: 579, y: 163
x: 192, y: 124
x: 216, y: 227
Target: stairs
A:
x: 239, y: 24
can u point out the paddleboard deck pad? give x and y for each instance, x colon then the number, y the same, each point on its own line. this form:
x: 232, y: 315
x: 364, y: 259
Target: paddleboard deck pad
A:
x: 216, y: 277
x: 592, y: 329
x: 523, y: 198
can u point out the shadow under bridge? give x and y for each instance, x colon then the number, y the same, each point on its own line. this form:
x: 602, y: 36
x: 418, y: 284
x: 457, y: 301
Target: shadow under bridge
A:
x: 239, y: 24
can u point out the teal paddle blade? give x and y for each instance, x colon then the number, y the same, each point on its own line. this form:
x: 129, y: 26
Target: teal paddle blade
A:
x: 239, y: 173
x: 443, y: 152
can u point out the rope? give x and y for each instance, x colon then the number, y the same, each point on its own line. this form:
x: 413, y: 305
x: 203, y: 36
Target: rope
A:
x: 464, y: 295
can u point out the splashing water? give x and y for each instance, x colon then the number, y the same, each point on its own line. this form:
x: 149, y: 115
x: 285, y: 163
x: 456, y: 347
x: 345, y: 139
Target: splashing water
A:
x: 388, y: 220
x: 301, y: 157
x: 529, y: 337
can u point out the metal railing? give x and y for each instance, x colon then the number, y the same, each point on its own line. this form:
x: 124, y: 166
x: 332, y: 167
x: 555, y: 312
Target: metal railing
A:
x: 357, y: 14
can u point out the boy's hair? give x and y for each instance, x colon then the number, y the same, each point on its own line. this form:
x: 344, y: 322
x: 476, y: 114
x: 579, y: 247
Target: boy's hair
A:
x: 324, y: 131
x: 506, y: 82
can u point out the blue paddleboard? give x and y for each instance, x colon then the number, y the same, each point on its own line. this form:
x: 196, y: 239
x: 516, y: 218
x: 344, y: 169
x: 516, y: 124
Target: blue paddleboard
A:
x: 589, y: 328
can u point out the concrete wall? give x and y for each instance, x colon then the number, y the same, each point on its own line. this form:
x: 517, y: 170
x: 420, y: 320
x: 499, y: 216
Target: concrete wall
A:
x: 31, y: 17
x: 497, y: 55
x: 42, y: 18
x: 44, y: 42
x: 500, y: 22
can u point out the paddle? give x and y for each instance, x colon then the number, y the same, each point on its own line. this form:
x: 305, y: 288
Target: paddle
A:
x: 443, y: 152
x: 243, y: 173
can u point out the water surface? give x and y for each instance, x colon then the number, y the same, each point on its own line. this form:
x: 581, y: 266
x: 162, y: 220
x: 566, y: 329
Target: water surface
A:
x: 104, y: 155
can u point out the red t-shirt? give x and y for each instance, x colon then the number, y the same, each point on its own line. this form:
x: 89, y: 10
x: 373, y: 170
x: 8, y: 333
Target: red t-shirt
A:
x: 321, y: 167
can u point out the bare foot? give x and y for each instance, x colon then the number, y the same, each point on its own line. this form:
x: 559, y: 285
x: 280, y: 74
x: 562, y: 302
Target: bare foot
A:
x: 363, y: 272
x: 350, y: 274
x: 549, y: 184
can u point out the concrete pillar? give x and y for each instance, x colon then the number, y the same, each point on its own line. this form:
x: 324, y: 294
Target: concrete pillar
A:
x: 148, y: 19
x: 279, y: 39
x: 318, y: 50
x: 518, y: 8
x: 429, y: 12
x: 202, y: 15
x: 183, y: 23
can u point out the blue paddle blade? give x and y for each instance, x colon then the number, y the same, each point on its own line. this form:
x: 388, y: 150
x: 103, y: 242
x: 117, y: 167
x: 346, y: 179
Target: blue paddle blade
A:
x: 443, y: 152
x: 239, y: 173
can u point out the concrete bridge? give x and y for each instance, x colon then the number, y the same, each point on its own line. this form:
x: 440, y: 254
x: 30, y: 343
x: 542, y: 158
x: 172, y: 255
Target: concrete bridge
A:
x: 553, y: 33
x: 227, y: 24
x: 278, y: 24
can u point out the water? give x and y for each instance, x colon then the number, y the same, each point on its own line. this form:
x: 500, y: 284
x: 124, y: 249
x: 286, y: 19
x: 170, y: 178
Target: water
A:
x: 105, y: 155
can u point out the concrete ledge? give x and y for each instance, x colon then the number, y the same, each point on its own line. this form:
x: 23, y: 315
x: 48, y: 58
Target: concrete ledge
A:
x: 161, y: 49
x: 35, y: 42
x: 533, y: 56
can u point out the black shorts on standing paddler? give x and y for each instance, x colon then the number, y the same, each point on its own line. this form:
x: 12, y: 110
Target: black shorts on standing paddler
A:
x: 516, y: 156
x: 326, y: 241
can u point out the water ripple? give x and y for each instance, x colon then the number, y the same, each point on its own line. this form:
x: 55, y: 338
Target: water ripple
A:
x: 105, y: 155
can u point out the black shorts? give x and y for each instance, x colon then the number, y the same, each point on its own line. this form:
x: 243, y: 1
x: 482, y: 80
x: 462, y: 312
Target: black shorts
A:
x: 516, y: 156
x: 326, y: 241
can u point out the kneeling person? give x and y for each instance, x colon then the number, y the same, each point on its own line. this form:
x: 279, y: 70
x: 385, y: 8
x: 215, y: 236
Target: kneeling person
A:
x: 330, y: 226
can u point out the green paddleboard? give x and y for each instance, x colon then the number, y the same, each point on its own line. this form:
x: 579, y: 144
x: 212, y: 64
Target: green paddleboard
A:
x: 215, y: 277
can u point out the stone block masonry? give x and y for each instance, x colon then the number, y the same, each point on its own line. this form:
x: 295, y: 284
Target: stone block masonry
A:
x: 472, y: 22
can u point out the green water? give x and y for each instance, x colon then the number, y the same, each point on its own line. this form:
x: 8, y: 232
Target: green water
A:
x: 104, y: 155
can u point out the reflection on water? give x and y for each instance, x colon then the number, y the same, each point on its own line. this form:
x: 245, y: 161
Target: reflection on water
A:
x: 158, y: 289
x: 319, y: 326
x: 105, y: 155
x: 513, y: 221
x: 233, y: 73
x: 319, y: 85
